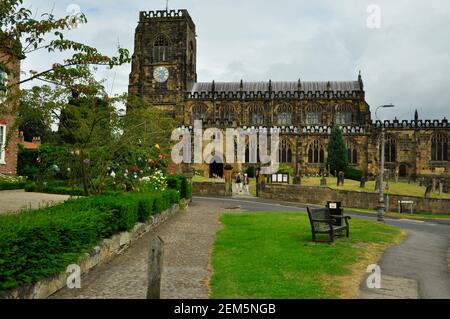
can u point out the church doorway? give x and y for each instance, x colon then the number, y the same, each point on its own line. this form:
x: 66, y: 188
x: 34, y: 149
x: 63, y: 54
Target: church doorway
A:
x: 403, y: 171
x: 215, y: 170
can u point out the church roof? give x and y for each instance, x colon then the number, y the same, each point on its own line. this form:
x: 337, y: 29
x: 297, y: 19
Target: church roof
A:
x: 235, y: 87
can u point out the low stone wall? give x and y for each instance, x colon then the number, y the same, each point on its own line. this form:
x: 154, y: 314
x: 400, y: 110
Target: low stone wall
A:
x: 208, y: 189
x: 320, y: 196
x: 100, y: 254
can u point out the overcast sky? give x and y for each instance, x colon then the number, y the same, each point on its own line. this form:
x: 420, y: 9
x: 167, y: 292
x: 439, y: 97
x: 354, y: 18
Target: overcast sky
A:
x: 406, y: 61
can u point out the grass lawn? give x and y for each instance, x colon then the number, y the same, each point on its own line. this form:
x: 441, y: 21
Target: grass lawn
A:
x: 202, y: 179
x: 270, y: 255
x: 400, y: 188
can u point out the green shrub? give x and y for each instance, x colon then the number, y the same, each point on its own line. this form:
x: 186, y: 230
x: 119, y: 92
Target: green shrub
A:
x: 353, y: 174
x: 11, y: 186
x: 50, y: 189
x: 27, y: 164
x: 174, y: 182
x: 41, y: 243
x: 30, y: 187
x: 11, y: 182
x: 181, y: 184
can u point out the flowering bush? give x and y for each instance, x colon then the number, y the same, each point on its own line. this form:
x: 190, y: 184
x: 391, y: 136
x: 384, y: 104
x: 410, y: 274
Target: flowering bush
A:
x: 155, y: 182
x: 11, y: 182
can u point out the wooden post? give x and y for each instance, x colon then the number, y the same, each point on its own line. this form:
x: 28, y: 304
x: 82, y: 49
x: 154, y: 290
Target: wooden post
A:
x: 155, y: 267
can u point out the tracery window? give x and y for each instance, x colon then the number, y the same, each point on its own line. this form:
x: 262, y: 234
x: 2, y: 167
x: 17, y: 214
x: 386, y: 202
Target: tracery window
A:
x: 313, y: 115
x: 256, y: 115
x: 390, y: 150
x: 199, y: 113
x: 161, y: 49
x: 344, y: 114
x: 285, y: 152
x: 316, y: 153
x: 284, y: 115
x: 404, y: 143
x: 225, y: 113
x: 352, y: 150
x: 439, y: 148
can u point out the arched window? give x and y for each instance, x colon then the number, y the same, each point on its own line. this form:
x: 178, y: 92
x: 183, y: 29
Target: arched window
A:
x: 352, y: 152
x: 313, y: 115
x: 199, y: 113
x: 390, y: 150
x: 344, y: 114
x: 256, y: 114
x: 225, y: 113
x: 316, y: 153
x: 284, y: 115
x: 161, y: 49
x: 285, y: 152
x: 439, y: 148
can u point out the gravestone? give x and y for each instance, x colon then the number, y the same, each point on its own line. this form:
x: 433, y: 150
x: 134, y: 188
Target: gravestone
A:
x: 341, y: 178
x: 323, y: 181
x: 428, y: 191
x: 396, y: 176
x: 434, y: 184
x: 362, y: 184
x: 441, y: 187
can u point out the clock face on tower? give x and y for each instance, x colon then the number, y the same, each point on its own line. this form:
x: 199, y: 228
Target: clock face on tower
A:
x: 161, y: 74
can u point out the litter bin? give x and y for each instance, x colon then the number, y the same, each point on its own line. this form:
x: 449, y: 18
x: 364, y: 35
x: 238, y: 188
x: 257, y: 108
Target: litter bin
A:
x: 335, y: 209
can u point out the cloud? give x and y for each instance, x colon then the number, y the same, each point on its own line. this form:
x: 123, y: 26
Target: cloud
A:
x: 405, y: 62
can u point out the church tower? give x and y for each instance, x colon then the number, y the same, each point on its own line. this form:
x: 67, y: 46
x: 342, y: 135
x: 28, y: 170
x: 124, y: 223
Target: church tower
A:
x: 164, y: 59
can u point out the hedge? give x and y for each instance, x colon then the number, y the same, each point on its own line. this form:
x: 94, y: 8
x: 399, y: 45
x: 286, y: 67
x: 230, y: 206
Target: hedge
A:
x: 50, y: 189
x: 40, y: 243
x: 11, y: 186
x: 181, y: 184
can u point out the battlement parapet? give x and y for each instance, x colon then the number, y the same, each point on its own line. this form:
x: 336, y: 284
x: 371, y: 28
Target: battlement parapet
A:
x: 326, y: 129
x: 147, y: 16
x: 268, y: 95
x: 414, y: 124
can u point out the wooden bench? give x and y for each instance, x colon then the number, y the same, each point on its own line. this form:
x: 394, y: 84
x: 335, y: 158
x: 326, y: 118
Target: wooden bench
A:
x: 322, y: 222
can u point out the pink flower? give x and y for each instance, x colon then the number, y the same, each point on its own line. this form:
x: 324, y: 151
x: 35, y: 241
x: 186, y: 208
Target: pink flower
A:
x: 160, y: 157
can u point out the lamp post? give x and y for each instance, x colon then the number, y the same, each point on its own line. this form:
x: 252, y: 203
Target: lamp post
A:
x: 381, y: 204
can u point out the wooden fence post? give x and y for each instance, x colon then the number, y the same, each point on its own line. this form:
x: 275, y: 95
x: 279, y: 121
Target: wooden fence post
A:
x: 155, y: 268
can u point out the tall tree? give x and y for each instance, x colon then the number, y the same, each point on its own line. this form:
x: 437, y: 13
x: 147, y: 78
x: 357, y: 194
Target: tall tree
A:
x: 337, y: 151
x: 34, y: 119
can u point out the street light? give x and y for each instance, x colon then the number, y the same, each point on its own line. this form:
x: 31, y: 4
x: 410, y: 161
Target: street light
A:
x: 381, y: 204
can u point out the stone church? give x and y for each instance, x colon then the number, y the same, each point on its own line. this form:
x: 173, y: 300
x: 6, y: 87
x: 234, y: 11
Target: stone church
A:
x: 164, y: 71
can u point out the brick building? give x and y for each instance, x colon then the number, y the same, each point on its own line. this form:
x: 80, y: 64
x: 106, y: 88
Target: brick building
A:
x: 164, y: 71
x: 9, y: 77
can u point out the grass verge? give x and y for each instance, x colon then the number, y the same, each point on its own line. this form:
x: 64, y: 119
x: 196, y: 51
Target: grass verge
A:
x: 270, y: 255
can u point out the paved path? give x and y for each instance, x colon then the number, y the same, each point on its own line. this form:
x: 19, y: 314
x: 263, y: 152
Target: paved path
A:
x: 422, y: 257
x: 188, y: 238
x: 416, y: 268
x: 16, y: 200
x: 420, y: 265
